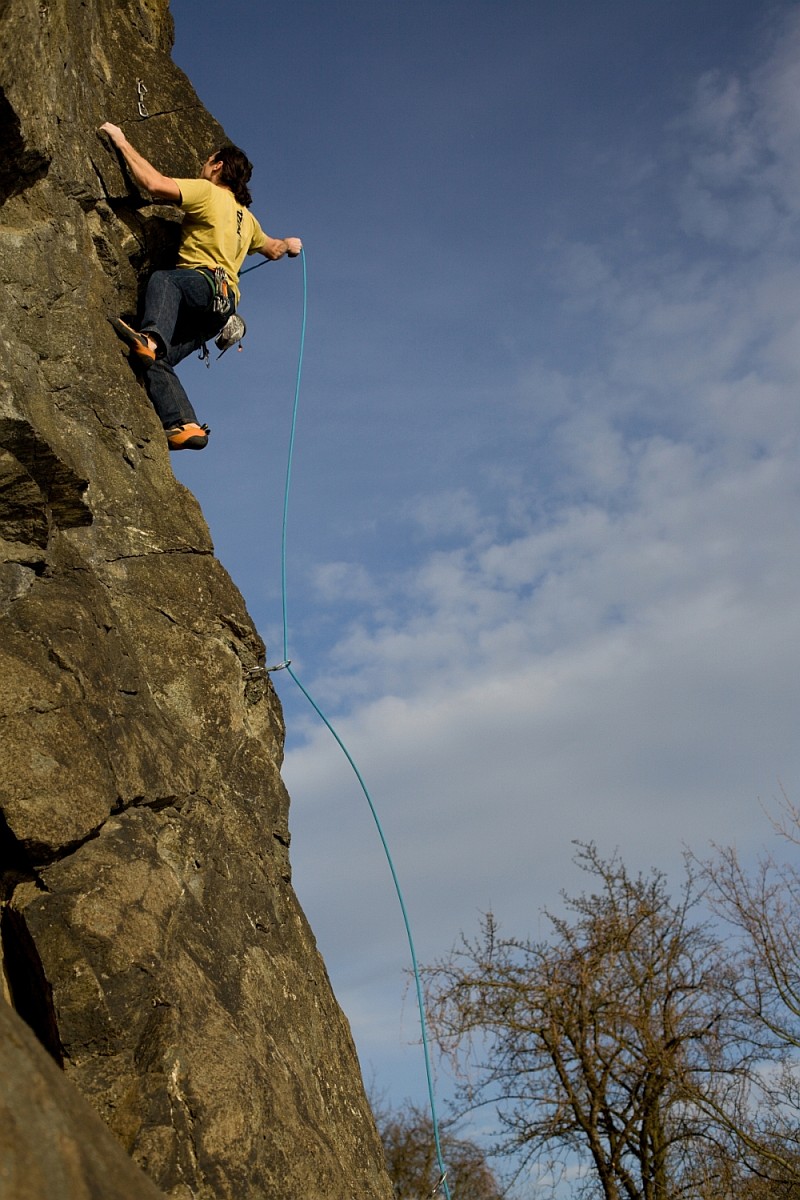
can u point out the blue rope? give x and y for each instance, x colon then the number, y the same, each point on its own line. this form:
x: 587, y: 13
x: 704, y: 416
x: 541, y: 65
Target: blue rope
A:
x: 287, y: 664
x: 255, y: 268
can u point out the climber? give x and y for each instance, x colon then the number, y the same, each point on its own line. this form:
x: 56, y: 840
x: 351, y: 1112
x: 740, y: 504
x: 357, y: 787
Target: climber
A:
x: 187, y: 306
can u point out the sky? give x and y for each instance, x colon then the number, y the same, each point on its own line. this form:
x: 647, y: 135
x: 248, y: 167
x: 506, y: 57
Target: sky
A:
x: 542, y: 537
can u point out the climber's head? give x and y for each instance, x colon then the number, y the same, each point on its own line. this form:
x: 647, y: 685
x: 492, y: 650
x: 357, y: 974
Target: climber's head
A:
x: 230, y: 168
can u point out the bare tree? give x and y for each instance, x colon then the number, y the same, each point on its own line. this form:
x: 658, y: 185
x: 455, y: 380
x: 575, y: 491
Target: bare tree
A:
x: 595, y: 1045
x: 721, y: 1174
x: 762, y: 908
x: 408, y: 1142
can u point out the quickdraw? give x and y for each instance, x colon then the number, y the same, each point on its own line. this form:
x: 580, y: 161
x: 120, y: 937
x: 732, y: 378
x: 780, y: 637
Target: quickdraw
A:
x: 142, y: 92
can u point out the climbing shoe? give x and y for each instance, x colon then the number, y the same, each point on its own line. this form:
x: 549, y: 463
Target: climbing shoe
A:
x: 188, y: 436
x: 137, y: 341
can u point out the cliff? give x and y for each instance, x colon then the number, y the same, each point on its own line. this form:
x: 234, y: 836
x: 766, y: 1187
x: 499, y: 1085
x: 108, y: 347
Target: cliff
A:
x: 151, y: 938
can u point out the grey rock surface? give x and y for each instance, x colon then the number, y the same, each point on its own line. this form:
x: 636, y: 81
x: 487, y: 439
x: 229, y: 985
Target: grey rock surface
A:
x: 150, y: 934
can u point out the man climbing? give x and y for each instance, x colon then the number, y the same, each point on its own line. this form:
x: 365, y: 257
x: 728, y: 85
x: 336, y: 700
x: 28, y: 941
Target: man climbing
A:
x: 187, y: 306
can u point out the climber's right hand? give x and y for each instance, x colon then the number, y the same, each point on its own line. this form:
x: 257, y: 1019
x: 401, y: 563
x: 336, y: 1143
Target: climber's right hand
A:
x: 114, y: 132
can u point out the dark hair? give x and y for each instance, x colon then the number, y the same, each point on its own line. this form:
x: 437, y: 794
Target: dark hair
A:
x: 236, y: 172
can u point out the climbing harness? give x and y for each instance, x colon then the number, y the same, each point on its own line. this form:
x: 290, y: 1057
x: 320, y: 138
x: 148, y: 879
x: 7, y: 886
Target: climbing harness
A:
x: 286, y: 665
x: 218, y: 280
x: 234, y: 328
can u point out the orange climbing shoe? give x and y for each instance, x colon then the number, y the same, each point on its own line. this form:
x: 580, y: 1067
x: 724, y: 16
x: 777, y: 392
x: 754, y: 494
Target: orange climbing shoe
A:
x: 188, y: 436
x: 137, y: 341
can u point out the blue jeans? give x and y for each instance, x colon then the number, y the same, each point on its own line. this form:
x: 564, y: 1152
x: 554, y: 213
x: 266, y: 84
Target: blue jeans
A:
x: 179, y: 313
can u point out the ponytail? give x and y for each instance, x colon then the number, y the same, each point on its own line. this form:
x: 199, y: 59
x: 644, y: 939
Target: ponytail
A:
x: 236, y: 172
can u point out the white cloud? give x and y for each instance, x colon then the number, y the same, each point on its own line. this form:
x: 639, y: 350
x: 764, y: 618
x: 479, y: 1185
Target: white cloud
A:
x: 337, y: 582
x: 447, y: 513
x: 741, y: 187
x: 608, y: 650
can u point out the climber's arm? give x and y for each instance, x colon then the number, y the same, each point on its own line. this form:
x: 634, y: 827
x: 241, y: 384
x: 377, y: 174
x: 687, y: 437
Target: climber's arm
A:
x: 276, y: 247
x: 161, y: 187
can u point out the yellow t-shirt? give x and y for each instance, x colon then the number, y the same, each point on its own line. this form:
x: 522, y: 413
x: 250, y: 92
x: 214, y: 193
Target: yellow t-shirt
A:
x: 217, y: 231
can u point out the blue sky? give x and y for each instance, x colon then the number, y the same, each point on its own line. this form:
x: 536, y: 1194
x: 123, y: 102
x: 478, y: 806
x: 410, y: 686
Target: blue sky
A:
x: 543, y: 532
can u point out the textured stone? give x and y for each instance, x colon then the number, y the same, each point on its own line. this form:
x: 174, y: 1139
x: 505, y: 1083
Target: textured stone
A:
x: 150, y: 934
x: 51, y: 1142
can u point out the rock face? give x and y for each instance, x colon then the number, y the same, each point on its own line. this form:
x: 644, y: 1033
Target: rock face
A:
x: 51, y: 1142
x: 150, y: 935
